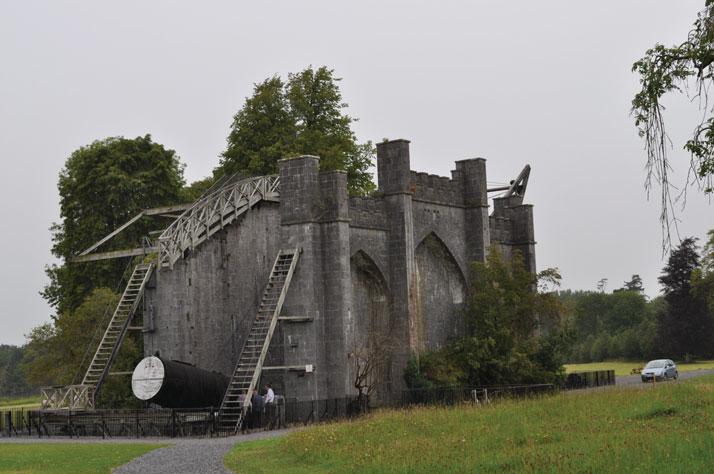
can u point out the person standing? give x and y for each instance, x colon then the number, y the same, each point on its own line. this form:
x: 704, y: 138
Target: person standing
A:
x: 269, y: 394
x: 257, y: 405
x: 270, y: 405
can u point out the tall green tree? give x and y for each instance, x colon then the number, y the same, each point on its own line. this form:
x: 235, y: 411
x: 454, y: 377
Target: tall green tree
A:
x: 303, y: 115
x: 101, y: 186
x: 703, y: 277
x: 684, y: 68
x: 708, y: 253
x: 263, y: 131
x: 686, y: 327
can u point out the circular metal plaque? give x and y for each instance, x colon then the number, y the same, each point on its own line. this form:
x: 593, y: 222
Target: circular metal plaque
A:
x: 148, y: 377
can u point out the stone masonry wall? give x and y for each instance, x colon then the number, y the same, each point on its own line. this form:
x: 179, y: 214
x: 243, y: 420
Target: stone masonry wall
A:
x: 395, y: 265
x: 204, y: 306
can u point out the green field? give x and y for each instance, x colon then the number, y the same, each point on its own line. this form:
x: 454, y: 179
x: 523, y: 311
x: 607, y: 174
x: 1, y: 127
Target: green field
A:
x: 666, y: 427
x: 54, y: 458
x: 625, y: 367
x: 19, y: 402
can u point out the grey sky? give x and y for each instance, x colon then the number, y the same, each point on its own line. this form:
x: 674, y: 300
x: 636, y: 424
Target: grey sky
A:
x: 546, y: 83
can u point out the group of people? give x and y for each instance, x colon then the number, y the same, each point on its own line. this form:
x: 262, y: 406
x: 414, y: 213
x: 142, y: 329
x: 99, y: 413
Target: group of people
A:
x: 262, y: 405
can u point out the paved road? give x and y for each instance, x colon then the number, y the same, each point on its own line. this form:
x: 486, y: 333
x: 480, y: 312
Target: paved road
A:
x: 635, y: 379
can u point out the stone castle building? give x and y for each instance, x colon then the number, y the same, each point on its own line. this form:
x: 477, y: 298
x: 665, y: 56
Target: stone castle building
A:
x: 387, y: 270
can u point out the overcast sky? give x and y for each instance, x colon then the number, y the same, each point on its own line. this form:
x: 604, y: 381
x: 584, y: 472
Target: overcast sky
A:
x: 546, y: 83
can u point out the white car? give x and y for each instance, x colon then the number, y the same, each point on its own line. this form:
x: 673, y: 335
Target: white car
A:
x: 660, y: 369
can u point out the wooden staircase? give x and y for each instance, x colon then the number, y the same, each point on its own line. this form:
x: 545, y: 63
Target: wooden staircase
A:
x: 83, y: 396
x: 250, y: 362
x: 115, y: 332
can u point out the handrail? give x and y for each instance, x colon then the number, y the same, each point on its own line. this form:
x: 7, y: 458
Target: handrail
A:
x: 213, y: 212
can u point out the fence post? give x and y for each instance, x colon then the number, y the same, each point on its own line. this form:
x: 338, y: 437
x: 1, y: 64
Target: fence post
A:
x: 173, y: 423
x: 210, y: 425
x: 69, y: 421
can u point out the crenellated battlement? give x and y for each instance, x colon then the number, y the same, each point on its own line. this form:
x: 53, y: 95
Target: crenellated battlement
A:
x: 437, y: 189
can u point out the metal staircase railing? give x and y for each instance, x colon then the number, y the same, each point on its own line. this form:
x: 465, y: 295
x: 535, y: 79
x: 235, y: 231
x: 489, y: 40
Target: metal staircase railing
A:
x: 212, y: 213
x: 84, y: 395
x: 118, y: 325
x: 250, y: 362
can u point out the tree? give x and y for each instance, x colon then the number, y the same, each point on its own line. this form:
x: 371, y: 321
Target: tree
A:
x: 708, y: 253
x: 195, y: 190
x: 621, y: 310
x: 370, y: 362
x: 549, y: 280
x: 635, y: 284
x: 621, y: 324
x: 101, y: 186
x: 38, y: 366
x: 263, y: 131
x: 685, y: 326
x: 514, y: 333
x: 304, y: 115
x: 507, y: 319
x: 672, y: 69
x: 676, y: 278
x: 59, y: 354
x: 703, y: 277
x: 12, y: 381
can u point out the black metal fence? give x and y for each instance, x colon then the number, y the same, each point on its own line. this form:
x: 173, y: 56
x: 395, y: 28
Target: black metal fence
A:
x: 109, y: 423
x: 138, y: 423
x: 478, y: 395
x: 310, y: 411
x: 593, y: 378
x: 203, y: 422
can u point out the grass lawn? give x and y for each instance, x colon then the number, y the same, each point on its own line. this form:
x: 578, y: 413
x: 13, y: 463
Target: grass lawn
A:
x: 625, y: 367
x: 68, y: 458
x: 12, y: 403
x: 659, y: 428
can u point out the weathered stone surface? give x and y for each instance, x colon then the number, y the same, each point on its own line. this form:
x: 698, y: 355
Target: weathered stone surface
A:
x: 203, y: 308
x: 391, y: 266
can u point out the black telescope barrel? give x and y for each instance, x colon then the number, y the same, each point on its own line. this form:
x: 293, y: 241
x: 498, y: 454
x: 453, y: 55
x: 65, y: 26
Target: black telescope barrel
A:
x: 178, y: 385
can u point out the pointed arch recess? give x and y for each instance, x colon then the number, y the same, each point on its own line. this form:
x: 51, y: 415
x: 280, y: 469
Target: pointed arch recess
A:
x: 365, y: 263
x: 441, y: 290
x: 371, y: 316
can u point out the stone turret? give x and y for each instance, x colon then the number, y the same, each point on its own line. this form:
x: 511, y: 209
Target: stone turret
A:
x: 472, y: 174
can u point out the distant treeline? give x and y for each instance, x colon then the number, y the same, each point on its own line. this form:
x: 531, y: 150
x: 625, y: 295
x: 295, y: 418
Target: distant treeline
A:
x: 12, y: 379
x: 612, y: 325
x: 626, y: 324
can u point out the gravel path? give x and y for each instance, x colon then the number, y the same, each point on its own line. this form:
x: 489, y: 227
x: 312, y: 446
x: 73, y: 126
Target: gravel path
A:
x: 191, y: 456
x: 182, y: 455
